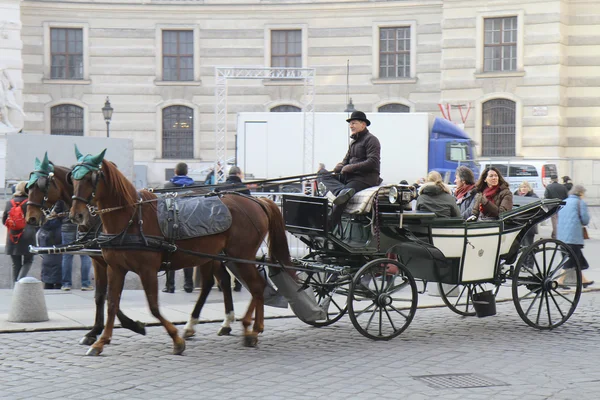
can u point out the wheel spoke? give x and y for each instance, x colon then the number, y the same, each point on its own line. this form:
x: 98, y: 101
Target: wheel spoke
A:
x: 469, y: 297
x: 533, y: 274
x: 552, y: 258
x: 371, y: 318
x: 532, y: 303
x: 556, y: 304
x: 537, y: 320
x: 364, y: 310
x: 399, y: 311
x: 548, y: 309
x: 561, y: 295
x: 460, y: 295
x: 390, y: 319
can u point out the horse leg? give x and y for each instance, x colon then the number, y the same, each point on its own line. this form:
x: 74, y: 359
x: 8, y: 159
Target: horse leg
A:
x: 116, y: 277
x: 207, y: 283
x: 150, y: 283
x: 256, y: 286
x: 100, y: 299
x: 225, y: 282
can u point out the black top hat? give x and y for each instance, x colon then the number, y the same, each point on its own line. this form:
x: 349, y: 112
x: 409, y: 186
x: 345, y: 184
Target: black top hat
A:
x: 359, y: 116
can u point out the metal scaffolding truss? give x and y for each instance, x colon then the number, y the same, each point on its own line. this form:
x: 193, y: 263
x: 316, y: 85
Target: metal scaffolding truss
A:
x: 224, y: 74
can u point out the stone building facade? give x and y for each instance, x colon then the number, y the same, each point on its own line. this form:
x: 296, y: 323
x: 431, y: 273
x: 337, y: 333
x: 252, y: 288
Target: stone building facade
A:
x: 528, y: 68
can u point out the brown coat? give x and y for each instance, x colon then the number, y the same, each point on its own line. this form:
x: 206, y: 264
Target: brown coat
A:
x: 503, y: 201
x: 364, y: 159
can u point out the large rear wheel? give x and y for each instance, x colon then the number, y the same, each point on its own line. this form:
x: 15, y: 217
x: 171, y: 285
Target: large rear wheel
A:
x: 383, y: 299
x: 541, y: 298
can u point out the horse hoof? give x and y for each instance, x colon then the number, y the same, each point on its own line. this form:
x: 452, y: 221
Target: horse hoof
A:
x: 224, y: 331
x: 179, y: 348
x: 188, y: 333
x: 140, y: 328
x: 87, y: 340
x: 92, y: 351
x: 250, y: 341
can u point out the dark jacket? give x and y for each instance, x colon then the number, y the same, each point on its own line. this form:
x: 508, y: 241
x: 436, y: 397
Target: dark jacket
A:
x: 20, y: 248
x: 465, y: 204
x: 49, y: 235
x: 179, y: 181
x: 556, y: 190
x: 234, y: 183
x: 67, y: 225
x: 434, y: 199
x: 364, y: 158
x: 503, y: 201
x: 534, y: 230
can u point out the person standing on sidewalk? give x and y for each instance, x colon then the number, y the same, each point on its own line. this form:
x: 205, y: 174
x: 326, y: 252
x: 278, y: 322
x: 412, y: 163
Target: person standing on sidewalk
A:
x: 19, y: 240
x: 573, y: 217
x: 555, y: 191
x: 69, y: 235
x: 180, y: 180
x: 50, y: 234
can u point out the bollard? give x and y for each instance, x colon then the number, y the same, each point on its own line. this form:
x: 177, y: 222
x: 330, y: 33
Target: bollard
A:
x: 28, y: 301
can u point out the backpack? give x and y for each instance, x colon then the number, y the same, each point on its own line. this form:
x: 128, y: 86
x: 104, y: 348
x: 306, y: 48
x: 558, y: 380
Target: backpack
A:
x: 16, y: 220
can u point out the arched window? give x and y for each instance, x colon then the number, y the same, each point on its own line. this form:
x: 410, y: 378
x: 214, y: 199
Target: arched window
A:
x: 178, y: 132
x: 66, y: 119
x: 498, y: 128
x: 286, y: 108
x: 394, y: 108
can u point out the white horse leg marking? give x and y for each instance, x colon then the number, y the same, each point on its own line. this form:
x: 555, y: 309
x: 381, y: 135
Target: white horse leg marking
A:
x: 188, y: 329
x: 229, y: 318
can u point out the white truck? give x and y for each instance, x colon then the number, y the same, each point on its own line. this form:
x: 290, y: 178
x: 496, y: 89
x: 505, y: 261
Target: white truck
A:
x: 18, y: 153
x: 270, y: 145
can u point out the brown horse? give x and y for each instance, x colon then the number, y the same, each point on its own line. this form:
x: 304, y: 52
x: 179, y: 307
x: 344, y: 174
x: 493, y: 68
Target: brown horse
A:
x: 49, y: 186
x: 123, y: 212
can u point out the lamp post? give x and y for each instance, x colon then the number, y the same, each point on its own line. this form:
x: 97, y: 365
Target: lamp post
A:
x: 107, y: 111
x: 350, y: 107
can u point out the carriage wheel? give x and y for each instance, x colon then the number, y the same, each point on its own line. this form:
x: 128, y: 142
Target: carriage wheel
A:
x: 331, y: 293
x: 459, y: 299
x: 383, y: 299
x: 540, y: 301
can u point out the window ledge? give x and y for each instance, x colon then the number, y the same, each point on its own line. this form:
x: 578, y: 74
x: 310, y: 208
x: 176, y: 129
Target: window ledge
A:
x: 380, y: 81
x: 178, y: 83
x: 284, y: 82
x: 67, y: 81
x: 499, y: 74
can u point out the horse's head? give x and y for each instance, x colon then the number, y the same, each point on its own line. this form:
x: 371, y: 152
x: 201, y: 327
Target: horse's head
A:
x: 42, y: 191
x: 85, y: 177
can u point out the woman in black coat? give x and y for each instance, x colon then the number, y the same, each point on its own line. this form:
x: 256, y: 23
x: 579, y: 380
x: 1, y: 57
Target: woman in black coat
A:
x: 18, y: 242
x: 50, y: 235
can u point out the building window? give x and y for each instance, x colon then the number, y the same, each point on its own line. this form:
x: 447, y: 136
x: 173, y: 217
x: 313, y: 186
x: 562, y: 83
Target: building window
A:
x: 286, y: 48
x: 178, y: 55
x: 394, y: 108
x: 66, y: 53
x: 178, y: 132
x: 499, y: 127
x: 500, y: 44
x: 286, y: 108
x: 394, y: 52
x: 66, y: 119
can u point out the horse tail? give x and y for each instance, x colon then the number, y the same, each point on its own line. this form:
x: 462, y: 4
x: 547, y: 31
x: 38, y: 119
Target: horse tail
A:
x: 278, y: 244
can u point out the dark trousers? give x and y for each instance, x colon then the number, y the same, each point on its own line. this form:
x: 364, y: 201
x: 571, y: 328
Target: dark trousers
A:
x: 21, y: 265
x: 335, y: 184
x: 188, y: 276
x: 579, y: 254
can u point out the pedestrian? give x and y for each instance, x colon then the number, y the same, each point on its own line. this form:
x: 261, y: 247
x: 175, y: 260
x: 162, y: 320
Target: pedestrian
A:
x: 68, y: 232
x: 493, y: 196
x: 465, y: 191
x: 434, y: 196
x: 526, y: 190
x: 555, y: 191
x: 571, y: 222
x: 180, y: 180
x: 568, y: 183
x: 235, y: 181
x: 20, y: 235
x: 358, y: 170
x: 48, y: 235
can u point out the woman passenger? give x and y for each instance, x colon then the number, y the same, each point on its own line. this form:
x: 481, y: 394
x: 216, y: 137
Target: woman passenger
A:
x: 434, y: 196
x: 465, y: 190
x: 493, y: 195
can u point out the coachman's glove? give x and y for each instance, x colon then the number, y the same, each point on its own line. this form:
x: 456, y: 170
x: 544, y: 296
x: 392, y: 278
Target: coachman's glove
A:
x: 338, y: 168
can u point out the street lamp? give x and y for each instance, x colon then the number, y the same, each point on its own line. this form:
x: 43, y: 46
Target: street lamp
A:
x: 350, y: 107
x: 107, y: 111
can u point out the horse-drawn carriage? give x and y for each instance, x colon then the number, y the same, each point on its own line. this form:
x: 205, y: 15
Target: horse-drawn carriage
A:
x: 367, y: 267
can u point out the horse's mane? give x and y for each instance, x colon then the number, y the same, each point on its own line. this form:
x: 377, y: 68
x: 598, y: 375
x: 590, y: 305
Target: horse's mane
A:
x: 117, y: 185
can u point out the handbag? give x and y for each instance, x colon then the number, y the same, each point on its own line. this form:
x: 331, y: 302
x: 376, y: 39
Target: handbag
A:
x: 584, y: 229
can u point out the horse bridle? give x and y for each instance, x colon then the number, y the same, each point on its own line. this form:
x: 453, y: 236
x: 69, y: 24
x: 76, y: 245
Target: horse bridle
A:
x: 96, y: 175
x: 43, y: 183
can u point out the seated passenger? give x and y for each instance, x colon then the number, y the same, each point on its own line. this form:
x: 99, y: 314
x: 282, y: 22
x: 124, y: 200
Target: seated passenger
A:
x: 434, y: 196
x: 465, y: 190
x: 493, y: 195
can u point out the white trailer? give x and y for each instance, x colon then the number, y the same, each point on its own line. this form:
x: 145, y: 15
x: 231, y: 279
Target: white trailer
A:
x: 270, y: 145
x: 18, y: 154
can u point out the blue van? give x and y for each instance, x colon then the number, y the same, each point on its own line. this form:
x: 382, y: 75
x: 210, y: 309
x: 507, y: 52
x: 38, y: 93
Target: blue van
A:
x: 450, y: 147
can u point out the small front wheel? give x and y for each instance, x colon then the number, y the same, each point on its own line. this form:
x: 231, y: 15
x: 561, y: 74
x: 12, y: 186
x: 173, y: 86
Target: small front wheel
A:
x: 459, y: 297
x: 331, y: 293
x: 546, y: 284
x: 383, y: 299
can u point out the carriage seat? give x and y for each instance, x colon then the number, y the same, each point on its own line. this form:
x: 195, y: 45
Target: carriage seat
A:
x: 362, y: 202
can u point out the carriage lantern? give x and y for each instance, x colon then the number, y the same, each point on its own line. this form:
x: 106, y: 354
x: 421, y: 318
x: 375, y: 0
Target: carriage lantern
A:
x: 107, y: 111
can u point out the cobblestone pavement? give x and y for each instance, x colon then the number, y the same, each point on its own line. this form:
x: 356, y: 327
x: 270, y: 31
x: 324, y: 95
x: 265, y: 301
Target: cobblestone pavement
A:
x: 296, y: 361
